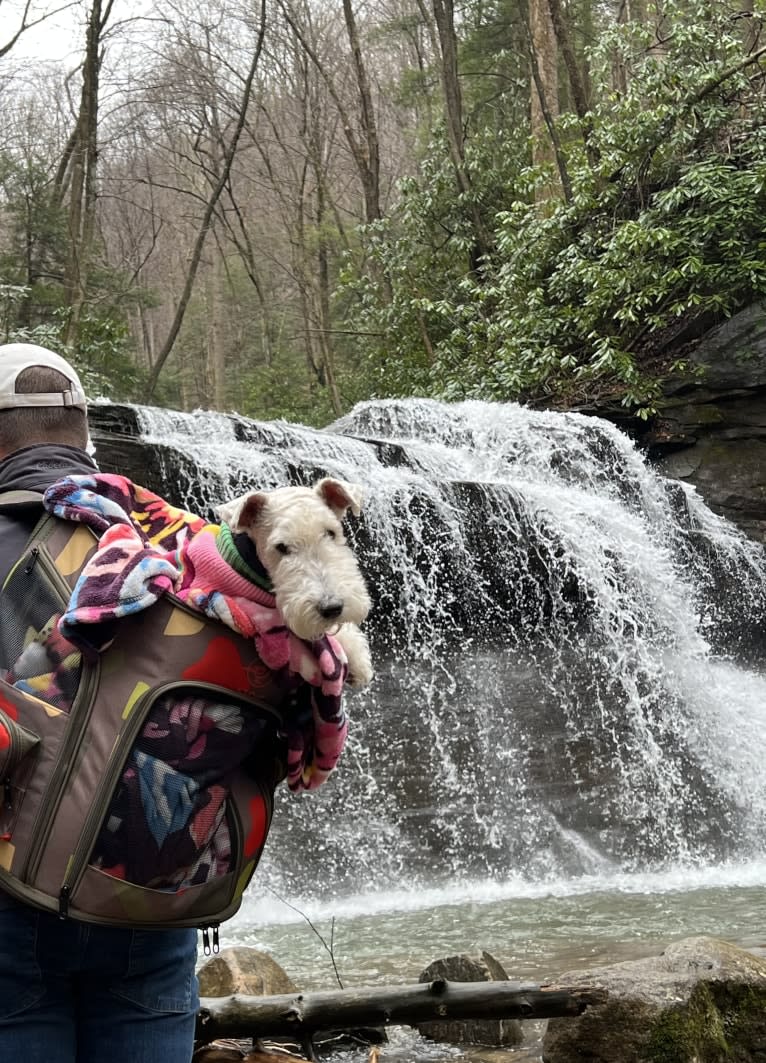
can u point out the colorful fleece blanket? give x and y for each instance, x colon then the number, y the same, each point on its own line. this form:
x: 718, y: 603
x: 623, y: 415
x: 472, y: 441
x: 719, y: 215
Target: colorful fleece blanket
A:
x: 166, y: 827
x: 148, y: 548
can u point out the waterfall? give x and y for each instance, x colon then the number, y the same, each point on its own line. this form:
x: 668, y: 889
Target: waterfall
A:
x: 566, y: 647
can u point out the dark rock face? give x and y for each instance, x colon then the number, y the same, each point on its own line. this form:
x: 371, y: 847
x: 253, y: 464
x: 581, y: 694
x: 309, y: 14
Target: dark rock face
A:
x: 119, y: 449
x: 730, y: 474
x: 711, y: 431
x: 702, y: 1001
x: 733, y: 355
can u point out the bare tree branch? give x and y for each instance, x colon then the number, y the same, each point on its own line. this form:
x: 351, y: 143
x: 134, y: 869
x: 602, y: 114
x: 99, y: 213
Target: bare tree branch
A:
x: 207, y: 218
x: 25, y: 25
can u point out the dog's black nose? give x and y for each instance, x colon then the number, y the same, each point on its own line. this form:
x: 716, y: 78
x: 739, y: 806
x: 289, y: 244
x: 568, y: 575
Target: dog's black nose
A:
x: 331, y: 609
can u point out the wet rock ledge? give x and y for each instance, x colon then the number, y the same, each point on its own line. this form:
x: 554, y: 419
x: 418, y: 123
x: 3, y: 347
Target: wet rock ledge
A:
x: 711, y: 427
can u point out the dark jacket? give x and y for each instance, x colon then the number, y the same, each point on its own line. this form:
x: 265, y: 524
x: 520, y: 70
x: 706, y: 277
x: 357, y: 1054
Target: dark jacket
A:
x: 34, y: 468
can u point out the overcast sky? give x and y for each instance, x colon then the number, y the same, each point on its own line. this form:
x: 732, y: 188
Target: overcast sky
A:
x: 52, y: 40
x: 133, y: 35
x: 61, y: 37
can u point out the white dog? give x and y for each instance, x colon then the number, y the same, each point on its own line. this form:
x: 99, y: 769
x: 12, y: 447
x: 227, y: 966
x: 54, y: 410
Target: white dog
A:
x: 299, y: 541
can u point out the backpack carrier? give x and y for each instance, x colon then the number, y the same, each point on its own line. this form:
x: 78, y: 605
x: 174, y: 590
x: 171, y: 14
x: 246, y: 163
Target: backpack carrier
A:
x: 74, y: 734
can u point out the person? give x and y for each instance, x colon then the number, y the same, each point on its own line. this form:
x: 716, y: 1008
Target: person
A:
x: 74, y: 992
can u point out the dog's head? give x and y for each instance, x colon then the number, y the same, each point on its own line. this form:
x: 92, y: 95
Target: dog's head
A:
x: 298, y: 536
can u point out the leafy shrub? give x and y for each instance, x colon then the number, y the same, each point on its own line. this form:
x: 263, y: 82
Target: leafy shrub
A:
x: 664, y: 225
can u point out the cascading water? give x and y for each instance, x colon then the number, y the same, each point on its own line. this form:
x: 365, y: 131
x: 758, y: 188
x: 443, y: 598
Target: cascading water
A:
x: 566, y: 649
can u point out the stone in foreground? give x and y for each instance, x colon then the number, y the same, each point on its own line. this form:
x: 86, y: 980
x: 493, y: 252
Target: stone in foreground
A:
x: 243, y: 970
x: 465, y: 968
x: 702, y: 1000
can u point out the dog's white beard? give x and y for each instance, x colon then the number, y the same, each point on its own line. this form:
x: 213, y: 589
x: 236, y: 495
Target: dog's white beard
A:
x: 302, y: 587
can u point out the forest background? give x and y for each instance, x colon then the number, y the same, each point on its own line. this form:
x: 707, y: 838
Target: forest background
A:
x: 286, y: 206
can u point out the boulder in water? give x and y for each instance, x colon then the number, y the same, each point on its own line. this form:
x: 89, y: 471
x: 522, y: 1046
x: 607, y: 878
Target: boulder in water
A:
x: 243, y: 970
x: 466, y: 968
x: 702, y: 1000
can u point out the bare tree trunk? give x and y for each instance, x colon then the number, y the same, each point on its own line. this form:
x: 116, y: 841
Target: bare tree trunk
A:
x: 325, y: 318
x: 544, y: 102
x: 444, y: 16
x: 453, y: 100
x: 577, y: 79
x: 619, y: 70
x: 62, y: 176
x: 24, y: 312
x: 216, y: 358
x: 215, y: 195
x: 544, y: 96
x: 630, y: 11
x: 83, y: 159
x: 302, y: 271
x: 425, y: 337
x: 306, y: 1013
x: 241, y: 239
x: 365, y: 156
x: 371, y: 171
x: 428, y: 22
x: 146, y: 331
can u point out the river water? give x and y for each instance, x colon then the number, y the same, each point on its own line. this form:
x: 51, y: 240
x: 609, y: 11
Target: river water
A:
x: 561, y: 758
x: 536, y: 931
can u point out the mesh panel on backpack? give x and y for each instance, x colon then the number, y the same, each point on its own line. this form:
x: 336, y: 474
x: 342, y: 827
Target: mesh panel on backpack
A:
x: 34, y: 656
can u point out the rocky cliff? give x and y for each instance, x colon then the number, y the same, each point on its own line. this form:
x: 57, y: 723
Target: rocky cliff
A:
x: 711, y: 429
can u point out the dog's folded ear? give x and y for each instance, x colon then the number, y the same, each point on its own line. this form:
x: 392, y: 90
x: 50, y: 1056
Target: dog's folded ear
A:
x: 340, y: 496
x: 228, y: 512
x: 241, y: 512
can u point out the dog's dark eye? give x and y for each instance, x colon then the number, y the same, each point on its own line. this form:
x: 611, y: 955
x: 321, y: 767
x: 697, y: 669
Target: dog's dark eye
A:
x: 282, y: 548
x: 331, y: 534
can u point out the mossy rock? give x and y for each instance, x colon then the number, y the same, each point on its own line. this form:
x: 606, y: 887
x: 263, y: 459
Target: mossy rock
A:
x: 693, y: 1031
x: 701, y: 1001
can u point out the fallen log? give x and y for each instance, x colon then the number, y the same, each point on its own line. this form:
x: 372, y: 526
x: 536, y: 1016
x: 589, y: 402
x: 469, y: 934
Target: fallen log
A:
x: 302, y: 1015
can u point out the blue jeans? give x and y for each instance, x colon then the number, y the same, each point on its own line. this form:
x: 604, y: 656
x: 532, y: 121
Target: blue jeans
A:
x: 75, y: 993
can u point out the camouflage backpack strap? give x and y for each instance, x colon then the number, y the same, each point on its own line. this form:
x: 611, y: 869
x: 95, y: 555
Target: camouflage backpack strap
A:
x: 12, y: 502
x: 27, y: 505
x: 68, y: 542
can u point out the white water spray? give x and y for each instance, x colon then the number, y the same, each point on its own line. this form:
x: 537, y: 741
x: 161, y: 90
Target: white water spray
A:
x: 563, y: 649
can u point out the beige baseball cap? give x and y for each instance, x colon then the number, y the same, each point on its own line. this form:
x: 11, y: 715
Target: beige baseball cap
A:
x: 16, y: 357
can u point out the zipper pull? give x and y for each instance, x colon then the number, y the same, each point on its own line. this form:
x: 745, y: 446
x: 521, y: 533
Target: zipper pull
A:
x: 216, y: 942
x: 206, y: 941
x: 64, y: 901
x: 32, y: 560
